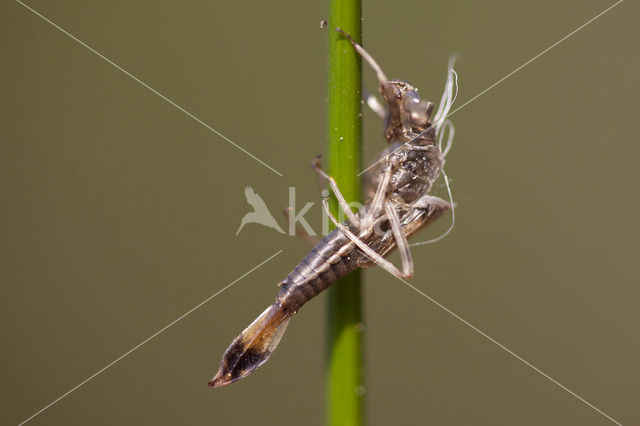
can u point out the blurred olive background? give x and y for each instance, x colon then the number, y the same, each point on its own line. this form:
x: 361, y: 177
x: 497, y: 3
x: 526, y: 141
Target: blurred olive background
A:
x: 119, y: 212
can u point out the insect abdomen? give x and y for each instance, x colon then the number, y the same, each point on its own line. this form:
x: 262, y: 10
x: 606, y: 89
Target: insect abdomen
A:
x: 331, y: 259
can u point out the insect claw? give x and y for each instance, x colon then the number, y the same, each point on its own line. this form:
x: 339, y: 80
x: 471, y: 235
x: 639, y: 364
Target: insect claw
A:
x: 315, y: 163
x: 346, y: 34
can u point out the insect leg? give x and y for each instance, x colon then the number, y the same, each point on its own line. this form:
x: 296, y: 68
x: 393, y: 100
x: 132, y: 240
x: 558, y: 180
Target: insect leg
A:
x: 374, y: 104
x: 334, y: 187
x: 378, y: 198
x: 431, y: 203
x: 381, y: 261
x: 365, y: 55
x: 435, y: 207
x: 401, y: 240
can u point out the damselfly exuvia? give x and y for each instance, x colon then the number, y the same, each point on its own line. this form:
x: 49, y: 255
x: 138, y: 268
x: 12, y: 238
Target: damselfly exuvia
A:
x: 398, y: 206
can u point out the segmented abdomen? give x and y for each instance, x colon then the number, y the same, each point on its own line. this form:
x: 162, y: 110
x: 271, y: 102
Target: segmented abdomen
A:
x: 331, y: 259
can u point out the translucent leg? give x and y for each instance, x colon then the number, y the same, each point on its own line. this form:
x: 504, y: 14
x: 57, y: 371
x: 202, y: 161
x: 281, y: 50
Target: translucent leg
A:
x: 366, y: 56
x: 378, y: 199
x: 334, y: 187
x: 374, y: 104
x: 381, y: 261
x: 401, y: 240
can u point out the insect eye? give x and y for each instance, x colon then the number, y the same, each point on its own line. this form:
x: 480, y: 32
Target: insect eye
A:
x: 410, y: 99
x: 418, y: 110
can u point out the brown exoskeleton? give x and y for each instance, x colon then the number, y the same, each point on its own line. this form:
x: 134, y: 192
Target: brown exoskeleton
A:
x: 397, y: 208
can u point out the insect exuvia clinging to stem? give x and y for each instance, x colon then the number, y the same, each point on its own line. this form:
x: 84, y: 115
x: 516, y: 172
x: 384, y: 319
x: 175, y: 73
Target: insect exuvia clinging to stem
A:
x: 398, y: 205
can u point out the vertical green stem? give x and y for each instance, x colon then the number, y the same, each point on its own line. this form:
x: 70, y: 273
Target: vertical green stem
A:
x: 345, y: 367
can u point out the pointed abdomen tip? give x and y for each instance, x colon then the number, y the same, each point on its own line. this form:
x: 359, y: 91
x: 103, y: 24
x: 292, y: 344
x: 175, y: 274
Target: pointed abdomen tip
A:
x: 218, y: 381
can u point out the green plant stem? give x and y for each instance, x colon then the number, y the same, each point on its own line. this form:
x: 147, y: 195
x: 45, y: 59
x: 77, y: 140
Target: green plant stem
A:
x: 345, y: 366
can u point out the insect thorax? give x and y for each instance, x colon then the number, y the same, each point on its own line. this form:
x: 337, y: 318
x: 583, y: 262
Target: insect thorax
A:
x: 415, y: 168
